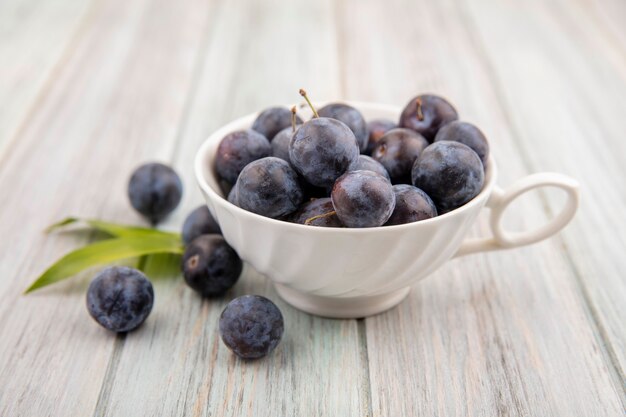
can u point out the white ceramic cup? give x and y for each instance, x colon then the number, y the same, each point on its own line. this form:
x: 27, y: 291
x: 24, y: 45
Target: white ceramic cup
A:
x: 347, y: 273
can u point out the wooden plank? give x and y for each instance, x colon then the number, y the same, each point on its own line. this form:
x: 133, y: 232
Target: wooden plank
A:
x: 116, y: 102
x: 256, y: 56
x: 488, y: 334
x: 585, y: 94
x: 36, y: 37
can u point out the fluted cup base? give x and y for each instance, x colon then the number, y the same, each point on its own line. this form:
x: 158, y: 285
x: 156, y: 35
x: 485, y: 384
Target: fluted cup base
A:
x: 342, y: 307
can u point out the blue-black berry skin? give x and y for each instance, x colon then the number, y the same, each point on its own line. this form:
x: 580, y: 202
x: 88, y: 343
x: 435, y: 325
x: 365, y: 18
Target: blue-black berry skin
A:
x: 351, y: 117
x: 435, y: 113
x: 363, y: 199
x: 397, y: 151
x: 251, y: 326
x: 155, y: 190
x: 238, y: 149
x: 272, y: 120
x: 280, y: 144
x: 467, y: 134
x: 367, y: 163
x: 199, y: 222
x: 120, y: 298
x: 412, y: 205
x: 210, y: 266
x: 450, y: 173
x: 269, y: 187
x: 323, y: 149
x: 317, y: 212
x: 377, y: 129
x: 233, y: 198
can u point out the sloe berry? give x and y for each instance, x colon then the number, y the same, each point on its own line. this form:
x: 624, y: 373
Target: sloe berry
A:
x: 199, y: 222
x: 251, y: 326
x: 120, y: 298
x: 269, y: 187
x: 450, y: 173
x: 210, y: 266
x: 155, y: 190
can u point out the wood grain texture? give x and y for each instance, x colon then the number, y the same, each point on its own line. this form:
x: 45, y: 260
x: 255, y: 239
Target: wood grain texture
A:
x: 318, y: 367
x: 583, y: 92
x: 35, y: 38
x: 489, y: 334
x: 117, y: 101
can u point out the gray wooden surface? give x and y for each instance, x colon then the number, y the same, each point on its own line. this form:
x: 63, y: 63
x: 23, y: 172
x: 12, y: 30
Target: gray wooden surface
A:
x: 89, y: 89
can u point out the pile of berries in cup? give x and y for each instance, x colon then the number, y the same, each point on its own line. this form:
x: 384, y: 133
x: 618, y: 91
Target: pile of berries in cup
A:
x: 338, y: 170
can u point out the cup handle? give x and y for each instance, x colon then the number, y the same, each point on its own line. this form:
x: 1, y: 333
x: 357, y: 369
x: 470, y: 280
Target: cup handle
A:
x: 499, y: 201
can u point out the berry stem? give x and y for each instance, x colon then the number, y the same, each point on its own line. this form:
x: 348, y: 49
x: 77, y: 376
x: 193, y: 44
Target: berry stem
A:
x: 420, y: 114
x: 306, y: 97
x: 319, y: 216
x: 293, y: 119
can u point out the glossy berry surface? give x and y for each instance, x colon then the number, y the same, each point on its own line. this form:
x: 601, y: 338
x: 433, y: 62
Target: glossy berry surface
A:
x: 155, y: 191
x: 433, y: 113
x: 397, y: 151
x: 273, y: 120
x: 322, y: 149
x: 367, y: 163
x: 199, y: 222
x: 450, y: 173
x: 467, y: 134
x: 412, y: 205
x: 251, y: 326
x: 238, y: 149
x: 210, y: 266
x: 351, y: 117
x: 120, y: 298
x: 269, y: 187
x: 377, y: 129
x: 280, y: 144
x: 363, y: 199
x: 317, y: 212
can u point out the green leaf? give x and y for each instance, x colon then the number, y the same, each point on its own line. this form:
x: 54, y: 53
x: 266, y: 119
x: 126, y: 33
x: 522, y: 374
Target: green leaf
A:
x: 162, y: 265
x: 113, y: 229
x: 104, y: 252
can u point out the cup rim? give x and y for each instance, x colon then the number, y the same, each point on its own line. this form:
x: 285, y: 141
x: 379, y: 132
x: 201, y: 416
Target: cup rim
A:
x: 239, y: 123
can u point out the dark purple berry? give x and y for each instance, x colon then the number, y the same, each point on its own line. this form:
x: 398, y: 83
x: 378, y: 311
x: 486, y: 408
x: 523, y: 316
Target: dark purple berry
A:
x: 237, y: 150
x: 317, y: 212
x: 120, y: 298
x: 467, y: 134
x: 322, y: 149
x: 426, y: 114
x: 251, y: 326
x: 210, y: 266
x: 366, y: 163
x: 351, y: 117
x: 311, y: 191
x: 377, y: 129
x: 363, y: 199
x: 155, y: 190
x: 412, y: 205
x: 280, y: 144
x: 450, y: 173
x: 232, y: 196
x: 269, y: 187
x: 199, y: 222
x: 397, y: 151
x: 273, y: 120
